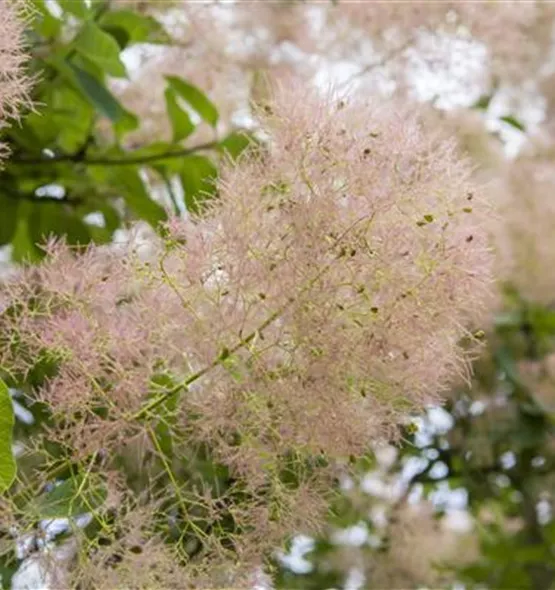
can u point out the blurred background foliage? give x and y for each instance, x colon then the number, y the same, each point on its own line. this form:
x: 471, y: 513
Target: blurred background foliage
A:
x: 74, y: 173
x: 71, y: 172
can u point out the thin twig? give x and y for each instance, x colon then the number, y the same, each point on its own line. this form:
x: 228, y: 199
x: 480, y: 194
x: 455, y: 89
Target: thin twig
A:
x: 243, y: 342
x: 124, y: 161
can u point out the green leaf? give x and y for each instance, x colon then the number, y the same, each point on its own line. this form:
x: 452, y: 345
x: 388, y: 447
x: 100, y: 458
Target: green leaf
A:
x: 506, y: 363
x: 103, y: 100
x: 236, y: 143
x: 138, y: 28
x: 83, y: 62
x: 180, y: 120
x: 49, y: 219
x: 44, y: 23
x: 72, y: 116
x: 196, y: 98
x: 513, y: 122
x: 136, y: 196
x: 7, y: 460
x: 7, y: 571
x: 120, y: 35
x: 101, y: 48
x: 483, y: 102
x: 9, y: 207
x: 112, y: 221
x: 23, y: 248
x: 72, y: 497
x: 197, y: 179
x: 75, y: 7
x: 39, y: 127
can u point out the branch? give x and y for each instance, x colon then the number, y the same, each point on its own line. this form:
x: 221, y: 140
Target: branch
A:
x: 124, y: 161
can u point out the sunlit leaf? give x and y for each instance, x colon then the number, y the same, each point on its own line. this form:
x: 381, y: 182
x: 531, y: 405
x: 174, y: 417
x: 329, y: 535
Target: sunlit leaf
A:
x: 196, y: 98
x: 101, y: 48
x: 180, y: 120
x: 103, y: 100
x: 138, y: 28
x: 77, y: 8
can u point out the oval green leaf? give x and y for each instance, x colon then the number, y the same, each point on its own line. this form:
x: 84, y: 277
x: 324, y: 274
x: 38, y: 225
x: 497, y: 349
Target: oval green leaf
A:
x: 101, y: 48
x: 100, y: 97
x: 140, y: 28
x: 196, y: 98
x: 180, y: 120
x: 7, y: 460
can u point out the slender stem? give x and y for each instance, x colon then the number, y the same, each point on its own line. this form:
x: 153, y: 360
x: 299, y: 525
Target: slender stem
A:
x: 226, y: 353
x: 124, y: 161
x: 206, y: 369
x: 181, y: 500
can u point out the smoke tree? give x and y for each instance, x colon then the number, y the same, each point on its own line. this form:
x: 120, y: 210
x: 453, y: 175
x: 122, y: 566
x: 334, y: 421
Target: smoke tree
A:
x: 237, y: 284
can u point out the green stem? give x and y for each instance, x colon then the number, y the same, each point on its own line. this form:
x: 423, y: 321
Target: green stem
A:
x: 227, y: 352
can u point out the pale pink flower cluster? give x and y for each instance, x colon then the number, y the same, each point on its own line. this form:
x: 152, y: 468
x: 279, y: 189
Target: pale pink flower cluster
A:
x: 14, y: 83
x: 421, y: 551
x: 517, y: 35
x: 524, y: 241
x: 367, y: 237
x: 223, y: 47
x: 330, y: 290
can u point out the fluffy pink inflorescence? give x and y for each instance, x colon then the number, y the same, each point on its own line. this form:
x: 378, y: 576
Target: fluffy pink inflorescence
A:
x: 524, y: 241
x: 320, y: 299
x: 332, y: 279
x: 14, y: 83
x: 517, y: 35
